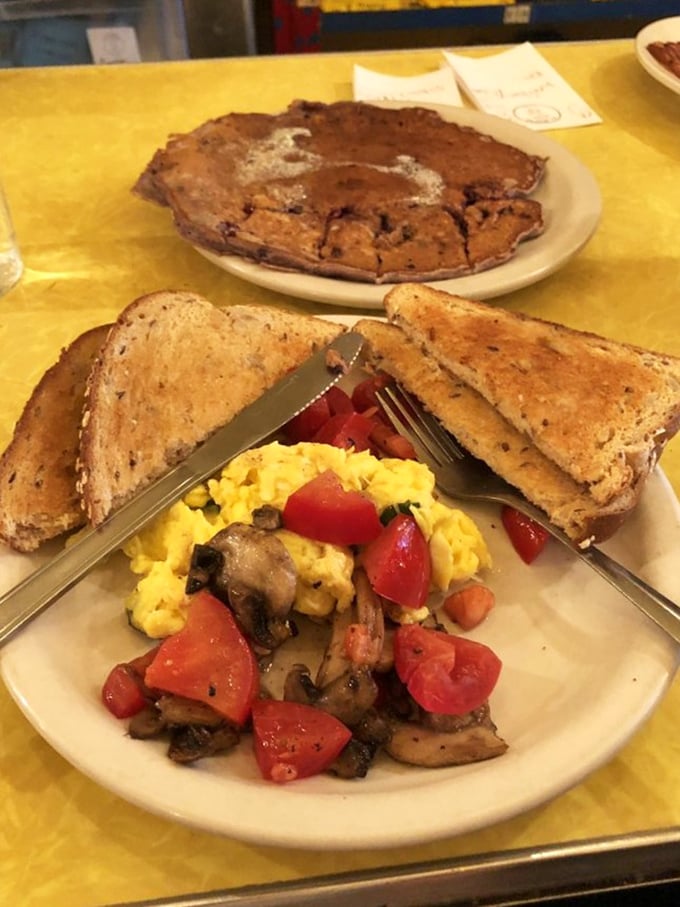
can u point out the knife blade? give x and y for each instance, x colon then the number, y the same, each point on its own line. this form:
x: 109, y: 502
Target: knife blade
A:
x: 274, y: 408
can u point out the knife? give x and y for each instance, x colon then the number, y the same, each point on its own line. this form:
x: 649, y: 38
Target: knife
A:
x: 274, y: 408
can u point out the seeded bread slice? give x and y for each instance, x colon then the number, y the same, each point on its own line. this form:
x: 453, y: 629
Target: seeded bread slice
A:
x: 486, y: 434
x: 173, y: 370
x: 600, y: 410
x: 38, y: 496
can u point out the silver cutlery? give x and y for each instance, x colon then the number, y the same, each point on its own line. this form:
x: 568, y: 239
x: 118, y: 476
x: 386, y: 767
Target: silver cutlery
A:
x: 274, y: 408
x: 461, y: 475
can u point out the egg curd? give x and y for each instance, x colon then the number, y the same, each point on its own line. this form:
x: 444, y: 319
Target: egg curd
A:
x: 160, y: 554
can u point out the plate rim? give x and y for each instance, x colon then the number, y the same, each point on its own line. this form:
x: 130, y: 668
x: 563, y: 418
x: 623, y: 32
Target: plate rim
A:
x: 487, y: 284
x: 655, y: 31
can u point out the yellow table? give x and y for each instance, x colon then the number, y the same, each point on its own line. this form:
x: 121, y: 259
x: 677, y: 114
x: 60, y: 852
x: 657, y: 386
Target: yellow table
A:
x: 73, y: 143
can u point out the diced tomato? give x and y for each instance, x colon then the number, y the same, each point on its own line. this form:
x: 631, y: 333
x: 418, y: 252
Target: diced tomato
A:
x: 470, y: 605
x: 398, y: 563
x: 306, y: 424
x: 294, y: 741
x: 338, y: 400
x: 390, y: 443
x: 209, y: 659
x: 413, y: 645
x: 527, y: 536
x: 142, y: 662
x: 346, y: 430
x: 364, y: 394
x: 322, y: 510
x: 449, y: 684
x: 121, y: 693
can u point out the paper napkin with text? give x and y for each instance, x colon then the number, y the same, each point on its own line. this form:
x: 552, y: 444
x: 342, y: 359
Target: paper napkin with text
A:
x: 438, y: 87
x: 520, y: 85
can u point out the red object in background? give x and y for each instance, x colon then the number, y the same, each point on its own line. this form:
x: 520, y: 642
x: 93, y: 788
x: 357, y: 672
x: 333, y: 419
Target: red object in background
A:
x: 297, y: 28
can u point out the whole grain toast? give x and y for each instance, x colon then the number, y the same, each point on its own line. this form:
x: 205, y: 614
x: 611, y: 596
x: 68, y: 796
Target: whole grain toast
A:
x: 601, y: 410
x: 173, y: 370
x: 485, y: 433
x: 38, y: 496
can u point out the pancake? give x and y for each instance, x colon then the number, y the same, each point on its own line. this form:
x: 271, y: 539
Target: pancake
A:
x: 349, y: 190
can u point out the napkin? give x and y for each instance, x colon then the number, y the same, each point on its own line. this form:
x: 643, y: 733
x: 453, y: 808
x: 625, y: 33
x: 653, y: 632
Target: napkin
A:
x: 520, y: 85
x: 438, y: 87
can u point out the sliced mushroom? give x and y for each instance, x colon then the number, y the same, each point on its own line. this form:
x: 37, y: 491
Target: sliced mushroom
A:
x: 267, y: 517
x: 335, y: 662
x: 251, y: 569
x: 348, y: 697
x: 354, y: 761
x: 146, y: 724
x: 417, y: 744
x: 366, y: 611
x: 191, y: 742
x: 179, y: 710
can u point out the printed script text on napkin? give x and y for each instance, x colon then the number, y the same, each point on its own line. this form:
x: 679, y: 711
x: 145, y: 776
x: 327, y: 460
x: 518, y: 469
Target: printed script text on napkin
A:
x: 520, y: 85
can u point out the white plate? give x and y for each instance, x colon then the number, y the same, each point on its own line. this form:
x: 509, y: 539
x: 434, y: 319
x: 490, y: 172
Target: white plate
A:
x: 572, y: 207
x: 582, y: 670
x: 662, y: 30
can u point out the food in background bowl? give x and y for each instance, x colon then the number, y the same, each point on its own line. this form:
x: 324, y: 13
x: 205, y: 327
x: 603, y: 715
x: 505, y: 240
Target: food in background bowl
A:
x: 667, y: 53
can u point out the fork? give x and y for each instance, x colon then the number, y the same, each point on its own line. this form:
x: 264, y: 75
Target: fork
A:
x: 461, y: 475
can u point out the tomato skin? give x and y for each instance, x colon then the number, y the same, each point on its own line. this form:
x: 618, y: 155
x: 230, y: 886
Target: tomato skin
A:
x: 364, y: 395
x: 398, y: 563
x: 293, y: 741
x: 338, y: 400
x: 469, y: 606
x: 389, y: 442
x: 414, y: 645
x: 209, y: 659
x: 121, y: 692
x: 346, y: 430
x: 527, y: 536
x: 441, y: 682
x: 306, y: 424
x: 322, y: 510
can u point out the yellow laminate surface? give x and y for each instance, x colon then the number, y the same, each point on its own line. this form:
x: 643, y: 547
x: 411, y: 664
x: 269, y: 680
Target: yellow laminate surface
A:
x: 73, y: 142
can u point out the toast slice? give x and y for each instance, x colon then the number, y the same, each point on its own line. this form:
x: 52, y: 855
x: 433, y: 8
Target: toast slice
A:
x: 173, y: 370
x: 602, y: 411
x: 485, y: 433
x: 38, y: 496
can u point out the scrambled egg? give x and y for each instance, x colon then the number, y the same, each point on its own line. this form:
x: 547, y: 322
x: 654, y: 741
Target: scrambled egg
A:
x: 161, y: 552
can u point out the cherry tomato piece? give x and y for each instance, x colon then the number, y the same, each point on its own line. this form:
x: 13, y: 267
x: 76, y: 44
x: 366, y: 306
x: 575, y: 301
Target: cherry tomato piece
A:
x: 322, y: 510
x: 364, y: 395
x: 470, y: 605
x: 306, y: 424
x: 527, y: 536
x: 209, y: 659
x: 346, y: 430
x: 398, y: 563
x: 439, y: 683
x: 338, y: 400
x: 293, y: 740
x: 121, y: 692
x: 390, y: 443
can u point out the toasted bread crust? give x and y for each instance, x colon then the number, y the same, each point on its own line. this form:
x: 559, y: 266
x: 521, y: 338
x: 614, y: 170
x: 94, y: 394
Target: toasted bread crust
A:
x: 38, y: 496
x: 599, y: 409
x: 175, y: 368
x: 486, y: 434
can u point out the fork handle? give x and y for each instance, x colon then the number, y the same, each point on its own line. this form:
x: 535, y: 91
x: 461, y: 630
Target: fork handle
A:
x: 664, y: 612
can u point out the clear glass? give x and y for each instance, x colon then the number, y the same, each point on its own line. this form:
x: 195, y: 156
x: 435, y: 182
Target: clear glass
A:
x: 11, y: 265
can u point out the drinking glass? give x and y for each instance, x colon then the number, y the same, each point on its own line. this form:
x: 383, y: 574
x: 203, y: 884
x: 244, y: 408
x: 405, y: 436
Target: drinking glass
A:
x: 11, y: 265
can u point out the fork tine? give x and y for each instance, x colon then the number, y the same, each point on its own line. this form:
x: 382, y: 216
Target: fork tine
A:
x: 424, y: 428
